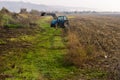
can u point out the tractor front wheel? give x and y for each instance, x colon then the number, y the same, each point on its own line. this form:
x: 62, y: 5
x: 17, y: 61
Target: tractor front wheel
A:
x: 52, y: 25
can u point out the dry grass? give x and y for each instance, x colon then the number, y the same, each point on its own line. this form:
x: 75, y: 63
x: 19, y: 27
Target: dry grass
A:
x: 78, y: 54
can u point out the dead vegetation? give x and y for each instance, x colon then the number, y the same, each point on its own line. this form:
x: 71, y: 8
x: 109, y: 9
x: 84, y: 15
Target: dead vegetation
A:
x: 78, y: 54
x: 16, y: 20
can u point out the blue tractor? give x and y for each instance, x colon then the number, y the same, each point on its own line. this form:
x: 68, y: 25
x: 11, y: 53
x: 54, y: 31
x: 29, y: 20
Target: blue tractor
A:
x: 60, y: 21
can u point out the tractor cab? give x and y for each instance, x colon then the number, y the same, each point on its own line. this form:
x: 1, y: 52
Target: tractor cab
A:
x: 64, y: 18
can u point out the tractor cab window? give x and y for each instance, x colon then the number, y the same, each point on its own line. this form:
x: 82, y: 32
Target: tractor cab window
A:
x: 62, y: 18
x: 65, y: 18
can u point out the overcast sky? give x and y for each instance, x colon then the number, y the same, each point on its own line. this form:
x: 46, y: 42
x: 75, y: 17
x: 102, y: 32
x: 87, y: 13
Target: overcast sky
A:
x: 103, y: 5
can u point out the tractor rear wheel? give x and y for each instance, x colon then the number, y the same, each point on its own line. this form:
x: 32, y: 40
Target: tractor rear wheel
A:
x: 66, y: 25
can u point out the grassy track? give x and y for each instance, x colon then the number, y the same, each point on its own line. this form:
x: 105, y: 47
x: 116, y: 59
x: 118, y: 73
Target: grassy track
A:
x: 51, y: 54
x: 43, y: 59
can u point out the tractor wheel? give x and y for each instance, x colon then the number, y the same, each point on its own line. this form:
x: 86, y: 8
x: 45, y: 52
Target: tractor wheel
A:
x: 66, y: 25
x: 52, y: 25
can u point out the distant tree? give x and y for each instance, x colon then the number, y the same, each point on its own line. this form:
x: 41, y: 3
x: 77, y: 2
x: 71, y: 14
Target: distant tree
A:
x: 23, y: 10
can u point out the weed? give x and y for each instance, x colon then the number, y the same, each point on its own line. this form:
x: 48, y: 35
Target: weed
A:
x: 2, y: 42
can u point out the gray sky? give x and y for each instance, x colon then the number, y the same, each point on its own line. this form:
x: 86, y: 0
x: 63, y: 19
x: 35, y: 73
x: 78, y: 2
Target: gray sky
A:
x: 102, y: 5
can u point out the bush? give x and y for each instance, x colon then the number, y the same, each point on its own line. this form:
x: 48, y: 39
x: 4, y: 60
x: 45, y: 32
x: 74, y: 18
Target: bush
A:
x: 5, y: 18
x: 76, y: 57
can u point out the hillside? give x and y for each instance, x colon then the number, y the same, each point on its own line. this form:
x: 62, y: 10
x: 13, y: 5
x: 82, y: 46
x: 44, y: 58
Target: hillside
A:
x: 11, y: 5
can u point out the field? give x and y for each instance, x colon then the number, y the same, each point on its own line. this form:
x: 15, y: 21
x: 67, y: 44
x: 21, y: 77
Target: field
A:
x: 100, y: 36
x: 88, y: 50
